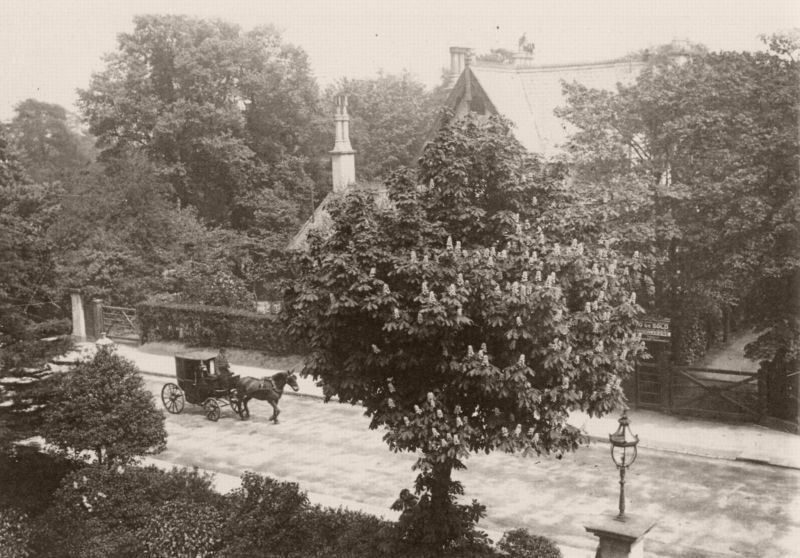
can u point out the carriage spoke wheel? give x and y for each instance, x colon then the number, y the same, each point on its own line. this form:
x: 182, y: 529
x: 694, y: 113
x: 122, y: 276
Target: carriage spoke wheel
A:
x: 173, y: 399
x: 211, y: 407
x: 236, y: 404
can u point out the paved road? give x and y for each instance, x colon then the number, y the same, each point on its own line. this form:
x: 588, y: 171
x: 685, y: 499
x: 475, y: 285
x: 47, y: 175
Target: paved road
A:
x: 705, y: 507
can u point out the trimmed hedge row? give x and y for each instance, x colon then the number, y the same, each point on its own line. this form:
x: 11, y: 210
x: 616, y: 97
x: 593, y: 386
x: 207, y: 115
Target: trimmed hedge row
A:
x: 212, y: 326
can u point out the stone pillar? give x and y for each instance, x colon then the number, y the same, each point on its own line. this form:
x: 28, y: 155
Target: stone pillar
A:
x: 96, y: 311
x: 78, y: 319
x: 458, y: 61
x: 620, y: 538
x: 343, y: 162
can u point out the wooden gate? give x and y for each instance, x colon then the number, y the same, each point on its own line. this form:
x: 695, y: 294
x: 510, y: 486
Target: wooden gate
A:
x: 728, y: 394
x: 120, y: 323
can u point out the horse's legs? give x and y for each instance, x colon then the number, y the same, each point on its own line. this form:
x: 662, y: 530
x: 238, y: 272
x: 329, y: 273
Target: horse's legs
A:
x: 245, y: 409
x: 275, y: 411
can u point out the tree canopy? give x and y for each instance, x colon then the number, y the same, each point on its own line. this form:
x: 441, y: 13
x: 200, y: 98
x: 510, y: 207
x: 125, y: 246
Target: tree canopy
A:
x: 389, y: 115
x: 216, y: 108
x: 49, y: 144
x: 458, y: 325
x: 696, y: 166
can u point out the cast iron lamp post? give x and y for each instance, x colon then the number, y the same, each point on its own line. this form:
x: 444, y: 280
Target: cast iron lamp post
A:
x: 623, y: 452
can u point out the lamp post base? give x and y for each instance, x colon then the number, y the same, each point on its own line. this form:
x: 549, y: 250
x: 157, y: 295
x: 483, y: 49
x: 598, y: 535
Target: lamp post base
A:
x: 620, y: 537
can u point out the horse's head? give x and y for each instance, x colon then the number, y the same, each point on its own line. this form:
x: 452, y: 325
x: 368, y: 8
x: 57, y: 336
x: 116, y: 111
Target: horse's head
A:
x: 291, y: 379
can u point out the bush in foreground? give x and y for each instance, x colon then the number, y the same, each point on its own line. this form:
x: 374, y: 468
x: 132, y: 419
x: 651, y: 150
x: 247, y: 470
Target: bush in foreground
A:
x: 143, y: 511
x: 518, y: 543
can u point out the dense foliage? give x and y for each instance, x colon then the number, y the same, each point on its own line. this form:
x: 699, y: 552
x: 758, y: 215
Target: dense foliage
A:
x: 228, y: 116
x: 103, y: 407
x: 389, y: 117
x: 696, y: 166
x: 144, y: 511
x: 50, y: 143
x: 211, y: 326
x: 31, y: 308
x: 459, y: 326
x: 105, y: 512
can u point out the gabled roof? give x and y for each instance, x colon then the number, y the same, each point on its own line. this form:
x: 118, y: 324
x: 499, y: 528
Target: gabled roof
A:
x: 528, y: 96
x: 321, y: 220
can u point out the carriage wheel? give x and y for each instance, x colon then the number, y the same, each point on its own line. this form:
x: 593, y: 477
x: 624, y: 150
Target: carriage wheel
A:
x: 236, y: 404
x: 211, y: 407
x: 173, y: 399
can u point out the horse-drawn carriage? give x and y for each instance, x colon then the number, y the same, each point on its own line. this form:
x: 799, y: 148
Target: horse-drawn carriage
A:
x: 200, y: 384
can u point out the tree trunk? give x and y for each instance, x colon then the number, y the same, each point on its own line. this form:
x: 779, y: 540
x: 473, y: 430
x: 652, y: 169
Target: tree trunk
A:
x: 441, y: 504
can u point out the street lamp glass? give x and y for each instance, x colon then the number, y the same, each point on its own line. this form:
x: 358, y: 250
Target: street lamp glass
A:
x: 623, y: 443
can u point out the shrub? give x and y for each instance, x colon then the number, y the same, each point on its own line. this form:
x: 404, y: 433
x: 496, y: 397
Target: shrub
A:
x: 103, y: 407
x: 266, y: 515
x: 103, y: 512
x: 16, y: 534
x: 30, y: 478
x: 518, y: 543
x: 181, y: 529
x: 211, y: 326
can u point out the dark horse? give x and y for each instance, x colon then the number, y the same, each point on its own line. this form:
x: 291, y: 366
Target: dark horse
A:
x: 268, y: 388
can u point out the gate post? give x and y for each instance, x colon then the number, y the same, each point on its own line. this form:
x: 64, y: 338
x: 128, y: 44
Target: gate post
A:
x: 78, y: 318
x: 96, y: 310
x: 665, y: 381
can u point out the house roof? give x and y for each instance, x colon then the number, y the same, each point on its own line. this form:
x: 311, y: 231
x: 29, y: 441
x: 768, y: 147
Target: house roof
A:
x: 321, y: 220
x: 528, y: 96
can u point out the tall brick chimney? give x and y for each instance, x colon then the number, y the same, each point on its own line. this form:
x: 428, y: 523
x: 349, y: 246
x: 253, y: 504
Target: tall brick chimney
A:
x: 343, y: 163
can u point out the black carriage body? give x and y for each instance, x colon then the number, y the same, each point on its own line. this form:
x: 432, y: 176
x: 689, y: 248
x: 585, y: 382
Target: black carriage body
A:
x: 192, y: 379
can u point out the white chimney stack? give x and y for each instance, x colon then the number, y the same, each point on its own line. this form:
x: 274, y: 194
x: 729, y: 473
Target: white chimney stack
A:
x: 343, y: 164
x: 459, y: 59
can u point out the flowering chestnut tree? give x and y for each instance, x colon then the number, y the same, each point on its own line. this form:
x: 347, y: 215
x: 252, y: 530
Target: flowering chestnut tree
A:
x: 455, y: 346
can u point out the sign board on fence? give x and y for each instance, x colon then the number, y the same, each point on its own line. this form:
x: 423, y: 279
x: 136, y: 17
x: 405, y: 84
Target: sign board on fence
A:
x: 655, y: 329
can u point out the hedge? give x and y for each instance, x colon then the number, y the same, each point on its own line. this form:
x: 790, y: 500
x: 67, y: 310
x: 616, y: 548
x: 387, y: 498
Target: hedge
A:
x: 212, y: 326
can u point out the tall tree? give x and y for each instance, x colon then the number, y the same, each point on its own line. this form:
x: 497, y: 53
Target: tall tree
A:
x: 215, y: 107
x: 459, y: 326
x: 50, y: 146
x: 696, y: 165
x: 390, y: 115
x: 28, y: 278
